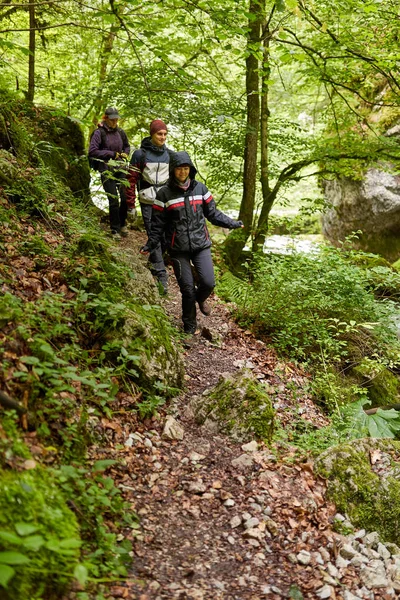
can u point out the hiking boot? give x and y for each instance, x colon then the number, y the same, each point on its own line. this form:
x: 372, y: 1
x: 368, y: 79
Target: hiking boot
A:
x: 124, y: 231
x: 163, y: 286
x: 205, y: 308
x: 115, y: 235
x: 189, y: 341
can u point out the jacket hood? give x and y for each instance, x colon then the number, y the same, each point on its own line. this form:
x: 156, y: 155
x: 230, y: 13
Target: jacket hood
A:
x: 181, y: 158
x: 147, y: 144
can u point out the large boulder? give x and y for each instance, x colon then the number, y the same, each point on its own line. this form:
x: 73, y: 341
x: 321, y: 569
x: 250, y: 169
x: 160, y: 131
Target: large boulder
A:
x: 363, y: 481
x: 371, y: 205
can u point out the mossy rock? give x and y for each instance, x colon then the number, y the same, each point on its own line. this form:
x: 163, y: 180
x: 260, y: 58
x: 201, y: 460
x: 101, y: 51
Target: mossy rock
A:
x: 149, y: 334
x: 36, y: 522
x: 239, y: 406
x: 383, y: 386
x: 368, y: 493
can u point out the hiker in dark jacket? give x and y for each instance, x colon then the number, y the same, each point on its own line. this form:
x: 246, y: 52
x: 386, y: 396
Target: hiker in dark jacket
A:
x: 180, y: 211
x: 149, y: 170
x: 110, y: 142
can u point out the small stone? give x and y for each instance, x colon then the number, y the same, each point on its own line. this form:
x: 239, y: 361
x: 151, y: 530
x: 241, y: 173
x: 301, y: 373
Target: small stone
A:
x: 231, y: 540
x: 196, y: 457
x: 383, y: 551
x: 252, y: 522
x: 229, y: 503
x: 318, y: 558
x: 197, y: 487
x: 250, y: 447
x: 303, y: 557
x: 148, y: 443
x: 348, y: 552
x: 185, y: 461
x: 244, y: 461
x: 324, y: 553
x: 332, y: 570
x: 341, y: 562
x: 260, y: 556
x: 241, y: 581
x: 172, y: 430
x: 256, y: 534
x: 292, y: 558
x: 359, y: 534
x: 371, y: 539
x: 325, y: 592
x: 253, y: 542
x: 246, y: 516
x: 29, y: 464
x: 271, y: 526
x: 235, y: 521
x: 154, y: 586
x: 349, y: 596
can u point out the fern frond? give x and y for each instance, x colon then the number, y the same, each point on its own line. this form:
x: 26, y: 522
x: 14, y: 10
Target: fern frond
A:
x: 234, y: 289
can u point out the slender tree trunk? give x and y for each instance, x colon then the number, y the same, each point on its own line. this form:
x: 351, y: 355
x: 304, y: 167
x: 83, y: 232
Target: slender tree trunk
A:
x: 32, y: 42
x: 235, y: 243
x: 268, y: 197
x: 108, y: 43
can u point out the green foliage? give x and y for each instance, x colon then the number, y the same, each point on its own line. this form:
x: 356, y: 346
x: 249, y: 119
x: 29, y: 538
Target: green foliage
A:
x: 329, y: 306
x: 39, y: 536
x: 98, y: 502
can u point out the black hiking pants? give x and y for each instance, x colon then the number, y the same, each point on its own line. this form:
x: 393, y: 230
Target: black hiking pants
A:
x: 156, y: 255
x: 193, y: 290
x: 113, y: 184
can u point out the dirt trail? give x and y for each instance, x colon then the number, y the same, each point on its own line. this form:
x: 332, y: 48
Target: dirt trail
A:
x: 212, y: 529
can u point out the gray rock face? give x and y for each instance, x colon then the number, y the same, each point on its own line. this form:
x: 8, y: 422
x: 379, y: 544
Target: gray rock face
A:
x: 371, y: 205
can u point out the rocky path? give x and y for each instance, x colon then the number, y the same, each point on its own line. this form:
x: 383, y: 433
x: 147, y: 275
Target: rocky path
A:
x: 230, y: 521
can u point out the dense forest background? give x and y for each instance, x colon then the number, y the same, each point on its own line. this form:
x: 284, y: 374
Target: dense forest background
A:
x: 276, y: 102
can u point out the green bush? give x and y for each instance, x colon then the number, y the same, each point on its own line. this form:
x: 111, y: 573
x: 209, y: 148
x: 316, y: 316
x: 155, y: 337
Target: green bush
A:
x: 312, y: 307
x: 39, y: 536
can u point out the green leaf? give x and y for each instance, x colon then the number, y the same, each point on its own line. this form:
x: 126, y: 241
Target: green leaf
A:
x: 81, y: 574
x: 13, y: 558
x: 71, y: 543
x: 6, y: 573
x: 33, y: 542
x: 11, y: 538
x: 102, y: 465
x: 25, y: 528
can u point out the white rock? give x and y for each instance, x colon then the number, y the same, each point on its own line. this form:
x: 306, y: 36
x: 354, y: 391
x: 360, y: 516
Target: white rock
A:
x: 244, y: 461
x: 303, y: 557
x: 332, y: 570
x: 349, y: 596
x: 195, y: 456
x: 374, y: 575
x: 231, y: 540
x: 371, y: 539
x: 229, y: 503
x: 172, y: 430
x: 255, y: 534
x: 252, y: 522
x: 383, y: 551
x: 250, y: 447
x: 235, y: 521
x: 341, y: 562
x: 325, y: 592
x: 348, y: 552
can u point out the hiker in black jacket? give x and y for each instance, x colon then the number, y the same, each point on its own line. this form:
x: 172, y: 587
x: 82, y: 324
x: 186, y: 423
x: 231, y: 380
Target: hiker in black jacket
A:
x: 110, y: 142
x: 180, y: 211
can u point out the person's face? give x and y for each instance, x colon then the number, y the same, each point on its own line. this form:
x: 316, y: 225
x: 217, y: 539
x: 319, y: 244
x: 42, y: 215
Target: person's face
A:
x: 159, y: 137
x: 112, y: 123
x: 182, y: 173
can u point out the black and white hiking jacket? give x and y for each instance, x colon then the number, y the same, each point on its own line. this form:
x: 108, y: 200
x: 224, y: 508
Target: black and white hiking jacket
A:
x: 181, y: 214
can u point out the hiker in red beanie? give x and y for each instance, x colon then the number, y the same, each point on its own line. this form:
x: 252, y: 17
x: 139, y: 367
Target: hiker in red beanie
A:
x: 149, y: 170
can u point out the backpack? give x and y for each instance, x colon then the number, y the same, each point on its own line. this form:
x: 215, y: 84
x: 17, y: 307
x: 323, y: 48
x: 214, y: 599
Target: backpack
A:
x: 95, y: 163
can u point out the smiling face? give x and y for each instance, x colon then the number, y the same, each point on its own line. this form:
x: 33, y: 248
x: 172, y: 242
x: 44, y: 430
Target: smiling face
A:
x: 159, y: 137
x: 182, y: 173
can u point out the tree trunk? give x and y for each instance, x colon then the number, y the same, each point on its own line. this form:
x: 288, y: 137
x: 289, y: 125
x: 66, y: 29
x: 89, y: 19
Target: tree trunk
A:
x: 108, y: 43
x: 235, y: 243
x: 32, y: 41
x: 268, y: 197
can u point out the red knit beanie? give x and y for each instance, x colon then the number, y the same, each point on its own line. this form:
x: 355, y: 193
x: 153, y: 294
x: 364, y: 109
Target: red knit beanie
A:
x: 157, y: 125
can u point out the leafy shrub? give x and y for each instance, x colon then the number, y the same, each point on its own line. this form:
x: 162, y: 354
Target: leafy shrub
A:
x: 311, y: 306
x: 39, y: 536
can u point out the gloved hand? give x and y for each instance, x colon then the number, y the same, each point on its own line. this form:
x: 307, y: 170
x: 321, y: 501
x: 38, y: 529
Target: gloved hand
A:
x: 121, y: 156
x: 144, y: 249
x: 132, y: 215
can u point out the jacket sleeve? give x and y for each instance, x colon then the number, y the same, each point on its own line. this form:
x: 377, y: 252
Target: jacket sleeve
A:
x: 125, y: 143
x: 158, y: 221
x: 134, y: 175
x: 95, y: 149
x: 215, y: 216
